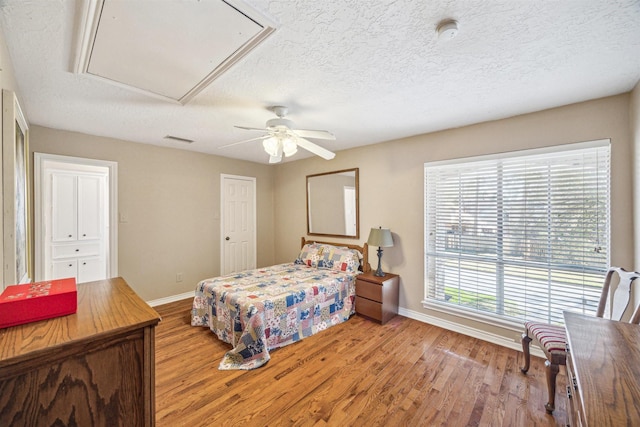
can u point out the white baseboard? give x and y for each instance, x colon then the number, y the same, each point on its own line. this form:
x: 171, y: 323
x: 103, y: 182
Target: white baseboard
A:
x: 173, y: 298
x: 468, y: 330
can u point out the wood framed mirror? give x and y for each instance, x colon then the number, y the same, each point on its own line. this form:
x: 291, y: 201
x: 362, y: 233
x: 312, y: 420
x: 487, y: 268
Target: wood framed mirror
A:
x: 332, y: 204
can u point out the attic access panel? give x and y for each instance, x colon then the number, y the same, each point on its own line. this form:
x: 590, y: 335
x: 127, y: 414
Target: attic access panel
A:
x: 166, y: 48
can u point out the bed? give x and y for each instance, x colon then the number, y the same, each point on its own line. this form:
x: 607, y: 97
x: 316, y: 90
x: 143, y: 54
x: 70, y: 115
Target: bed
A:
x: 259, y: 310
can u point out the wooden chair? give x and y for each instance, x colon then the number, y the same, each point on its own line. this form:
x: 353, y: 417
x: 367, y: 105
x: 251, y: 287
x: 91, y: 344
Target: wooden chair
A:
x: 552, y: 338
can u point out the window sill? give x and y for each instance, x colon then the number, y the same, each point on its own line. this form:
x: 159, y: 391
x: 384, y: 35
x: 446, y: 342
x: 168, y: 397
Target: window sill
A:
x: 477, y: 316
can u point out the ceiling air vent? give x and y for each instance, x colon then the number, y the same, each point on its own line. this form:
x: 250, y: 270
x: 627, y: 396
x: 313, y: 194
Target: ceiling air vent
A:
x: 177, y: 138
x: 171, y: 50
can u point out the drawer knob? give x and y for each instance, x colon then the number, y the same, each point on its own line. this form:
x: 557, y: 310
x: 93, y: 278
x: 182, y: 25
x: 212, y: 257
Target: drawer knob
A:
x: 77, y: 250
x: 70, y: 235
x: 70, y: 265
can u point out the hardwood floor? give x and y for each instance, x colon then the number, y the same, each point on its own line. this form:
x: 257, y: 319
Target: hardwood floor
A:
x: 359, y: 373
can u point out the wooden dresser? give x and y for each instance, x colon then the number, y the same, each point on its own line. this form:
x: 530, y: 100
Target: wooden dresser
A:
x: 92, y: 368
x: 603, y: 371
x: 377, y: 297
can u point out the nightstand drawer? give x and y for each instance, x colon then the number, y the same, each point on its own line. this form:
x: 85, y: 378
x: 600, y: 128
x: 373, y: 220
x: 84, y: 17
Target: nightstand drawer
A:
x: 369, y: 308
x: 369, y: 290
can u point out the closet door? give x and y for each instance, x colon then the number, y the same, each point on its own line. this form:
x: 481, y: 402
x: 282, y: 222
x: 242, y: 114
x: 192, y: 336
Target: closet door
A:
x: 63, y: 269
x: 77, y: 247
x: 64, y: 200
x: 90, y: 207
x: 75, y: 217
x: 91, y: 268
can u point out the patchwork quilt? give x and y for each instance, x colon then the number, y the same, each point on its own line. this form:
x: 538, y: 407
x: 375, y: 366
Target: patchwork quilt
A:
x: 258, y: 310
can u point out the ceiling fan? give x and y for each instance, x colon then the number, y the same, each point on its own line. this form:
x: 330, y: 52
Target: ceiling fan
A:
x: 283, y: 138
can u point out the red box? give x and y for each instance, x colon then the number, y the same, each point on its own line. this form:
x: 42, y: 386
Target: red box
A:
x: 37, y: 301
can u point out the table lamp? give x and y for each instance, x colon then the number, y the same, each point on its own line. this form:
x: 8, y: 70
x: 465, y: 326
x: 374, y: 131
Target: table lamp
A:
x: 380, y: 237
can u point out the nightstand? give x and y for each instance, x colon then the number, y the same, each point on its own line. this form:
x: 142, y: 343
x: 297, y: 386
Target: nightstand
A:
x: 377, y: 297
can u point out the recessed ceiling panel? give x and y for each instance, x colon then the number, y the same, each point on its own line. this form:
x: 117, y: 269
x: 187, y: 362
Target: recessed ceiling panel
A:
x: 169, y: 48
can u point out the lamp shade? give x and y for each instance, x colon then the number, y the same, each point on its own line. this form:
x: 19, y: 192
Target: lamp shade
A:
x: 380, y: 237
x: 289, y: 147
x: 271, y: 146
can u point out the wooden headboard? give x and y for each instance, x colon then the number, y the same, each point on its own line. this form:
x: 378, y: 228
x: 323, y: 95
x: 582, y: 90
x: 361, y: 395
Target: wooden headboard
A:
x: 364, y: 250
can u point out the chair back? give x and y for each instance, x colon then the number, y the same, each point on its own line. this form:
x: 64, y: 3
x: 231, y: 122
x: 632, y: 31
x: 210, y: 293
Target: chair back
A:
x: 621, y: 296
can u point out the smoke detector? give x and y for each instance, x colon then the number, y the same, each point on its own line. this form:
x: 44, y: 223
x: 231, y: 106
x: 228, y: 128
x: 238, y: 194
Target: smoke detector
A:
x: 447, y: 29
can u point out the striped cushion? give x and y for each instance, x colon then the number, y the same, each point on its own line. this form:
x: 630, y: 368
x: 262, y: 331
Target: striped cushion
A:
x: 552, y: 338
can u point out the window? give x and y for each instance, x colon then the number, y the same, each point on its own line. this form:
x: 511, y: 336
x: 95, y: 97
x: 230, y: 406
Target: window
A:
x: 518, y: 236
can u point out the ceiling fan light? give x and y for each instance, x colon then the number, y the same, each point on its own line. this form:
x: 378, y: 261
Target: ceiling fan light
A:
x: 282, y: 139
x: 271, y: 146
x: 289, y: 147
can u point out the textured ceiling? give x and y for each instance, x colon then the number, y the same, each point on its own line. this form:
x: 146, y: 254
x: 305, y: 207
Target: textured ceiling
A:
x: 368, y: 71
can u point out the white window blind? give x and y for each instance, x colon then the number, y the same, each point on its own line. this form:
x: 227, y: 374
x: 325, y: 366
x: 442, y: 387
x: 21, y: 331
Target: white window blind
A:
x: 523, y: 236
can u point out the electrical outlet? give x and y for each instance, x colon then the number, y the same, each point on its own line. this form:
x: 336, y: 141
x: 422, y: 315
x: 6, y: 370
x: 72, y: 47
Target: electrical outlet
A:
x: 178, y: 277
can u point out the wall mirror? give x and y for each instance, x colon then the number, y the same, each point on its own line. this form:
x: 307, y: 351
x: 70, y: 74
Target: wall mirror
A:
x: 332, y: 204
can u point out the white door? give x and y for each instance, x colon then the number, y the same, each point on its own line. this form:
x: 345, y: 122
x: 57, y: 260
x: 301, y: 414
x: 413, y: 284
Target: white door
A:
x: 238, y: 224
x: 76, y: 232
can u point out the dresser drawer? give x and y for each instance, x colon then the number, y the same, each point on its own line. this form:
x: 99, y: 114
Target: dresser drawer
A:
x: 369, y: 308
x: 369, y: 290
x: 574, y: 410
x: 77, y: 250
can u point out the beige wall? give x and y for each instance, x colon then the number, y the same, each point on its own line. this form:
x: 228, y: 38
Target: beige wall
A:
x: 171, y: 199
x: 7, y: 82
x: 634, y: 118
x: 392, y: 183
x: 7, y: 77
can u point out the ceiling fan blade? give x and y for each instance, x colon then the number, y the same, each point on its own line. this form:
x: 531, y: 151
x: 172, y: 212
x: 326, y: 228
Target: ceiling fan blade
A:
x: 246, y: 140
x: 248, y: 128
x: 315, y: 149
x: 317, y: 134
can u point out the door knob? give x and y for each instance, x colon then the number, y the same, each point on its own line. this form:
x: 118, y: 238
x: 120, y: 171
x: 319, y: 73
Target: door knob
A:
x: 227, y: 238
